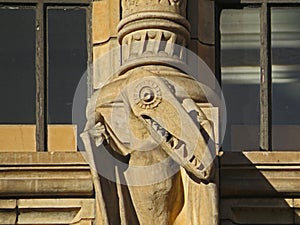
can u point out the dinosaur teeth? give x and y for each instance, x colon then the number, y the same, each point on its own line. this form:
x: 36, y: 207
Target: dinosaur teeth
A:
x: 195, y: 162
x: 148, y: 121
x: 160, y: 130
x: 155, y: 125
x: 173, y: 142
x: 165, y: 135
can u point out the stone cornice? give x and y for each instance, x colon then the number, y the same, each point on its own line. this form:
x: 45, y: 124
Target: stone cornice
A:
x: 260, y: 174
x: 43, y: 174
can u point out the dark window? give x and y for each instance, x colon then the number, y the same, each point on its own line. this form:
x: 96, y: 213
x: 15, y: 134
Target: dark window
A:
x: 67, y: 45
x: 17, y: 65
x: 43, y: 55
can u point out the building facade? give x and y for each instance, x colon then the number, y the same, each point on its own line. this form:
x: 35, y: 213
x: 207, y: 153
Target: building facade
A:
x: 48, y: 47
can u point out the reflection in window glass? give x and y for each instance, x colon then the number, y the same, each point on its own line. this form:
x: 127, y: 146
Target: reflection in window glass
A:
x: 240, y: 60
x: 17, y: 66
x: 67, y: 60
x: 286, y: 78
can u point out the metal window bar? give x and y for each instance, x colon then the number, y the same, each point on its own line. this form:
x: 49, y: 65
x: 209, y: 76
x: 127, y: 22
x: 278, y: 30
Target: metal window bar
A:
x: 41, y: 81
x: 265, y: 78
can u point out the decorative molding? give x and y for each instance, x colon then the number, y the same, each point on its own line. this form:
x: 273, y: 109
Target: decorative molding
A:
x: 259, y: 211
x: 153, y: 33
x: 47, y: 211
x: 259, y: 188
x: 260, y: 174
x: 44, y: 174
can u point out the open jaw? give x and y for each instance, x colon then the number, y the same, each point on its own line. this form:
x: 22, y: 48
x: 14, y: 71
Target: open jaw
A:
x: 160, y: 134
x: 175, y: 148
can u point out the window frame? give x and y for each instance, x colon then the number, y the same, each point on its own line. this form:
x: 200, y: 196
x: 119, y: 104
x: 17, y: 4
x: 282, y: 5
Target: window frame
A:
x: 41, y: 56
x: 265, y: 130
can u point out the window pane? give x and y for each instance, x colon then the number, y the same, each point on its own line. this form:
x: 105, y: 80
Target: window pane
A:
x: 286, y: 78
x: 240, y: 60
x: 67, y: 60
x: 17, y: 66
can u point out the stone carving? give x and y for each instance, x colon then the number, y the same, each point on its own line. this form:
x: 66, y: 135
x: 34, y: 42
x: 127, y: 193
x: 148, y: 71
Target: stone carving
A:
x: 162, y: 126
x: 149, y: 119
x: 152, y: 37
x: 174, y: 6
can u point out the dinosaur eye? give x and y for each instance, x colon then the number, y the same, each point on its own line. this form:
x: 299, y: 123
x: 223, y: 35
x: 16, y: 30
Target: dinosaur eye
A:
x: 147, y: 94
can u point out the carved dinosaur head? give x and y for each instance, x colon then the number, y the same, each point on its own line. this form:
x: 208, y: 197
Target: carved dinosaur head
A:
x: 142, y: 110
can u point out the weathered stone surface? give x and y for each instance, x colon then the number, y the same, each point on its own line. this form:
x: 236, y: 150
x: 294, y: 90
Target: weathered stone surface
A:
x: 17, y: 138
x: 297, y: 211
x: 55, y: 211
x: 130, y: 113
x: 206, y: 22
x: 106, y: 62
x: 151, y: 111
x: 205, y: 52
x: 260, y: 158
x: 272, y: 181
x: 44, y: 174
x: 84, y: 222
x: 8, y: 204
x: 8, y: 217
x: 193, y: 17
x: 212, y: 114
x: 139, y: 6
x: 62, y: 138
x: 272, y: 174
x: 201, y: 16
x: 106, y: 16
x: 47, y: 211
x: 42, y: 159
x: 21, y: 138
x: 8, y: 213
x: 257, y: 211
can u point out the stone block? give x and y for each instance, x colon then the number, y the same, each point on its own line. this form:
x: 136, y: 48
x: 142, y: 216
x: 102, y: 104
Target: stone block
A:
x: 62, y: 138
x: 257, y: 211
x: 260, y: 174
x: 84, y: 222
x: 8, y: 211
x: 55, y: 211
x: 21, y: 138
x: 8, y: 217
x: 107, y: 60
x: 8, y: 204
x: 206, y: 22
x: 13, y: 159
x: 201, y: 17
x: 274, y: 158
x: 17, y: 138
x: 193, y: 17
x: 44, y: 175
x: 106, y: 16
x: 297, y: 210
x: 205, y: 52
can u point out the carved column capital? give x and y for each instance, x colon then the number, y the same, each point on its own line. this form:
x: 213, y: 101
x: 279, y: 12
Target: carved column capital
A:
x: 153, y: 32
